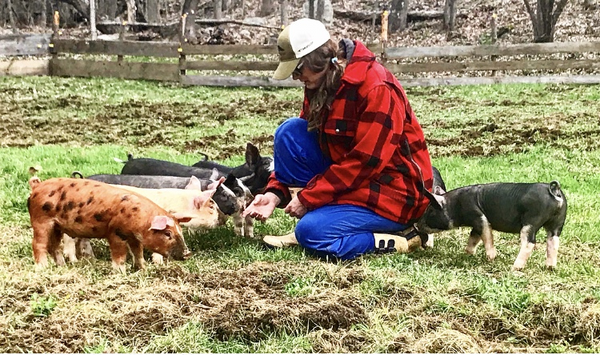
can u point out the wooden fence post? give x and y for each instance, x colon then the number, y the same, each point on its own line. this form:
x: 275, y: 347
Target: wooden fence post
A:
x: 493, y: 38
x: 55, y: 23
x: 93, y: 20
x: 182, y: 59
x: 284, y: 13
x: 121, y: 38
x: 384, y: 34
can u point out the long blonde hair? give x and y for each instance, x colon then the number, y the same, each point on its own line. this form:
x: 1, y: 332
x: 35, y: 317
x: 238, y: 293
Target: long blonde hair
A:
x: 320, y: 99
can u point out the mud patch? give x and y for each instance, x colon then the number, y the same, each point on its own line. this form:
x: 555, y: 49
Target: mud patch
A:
x: 248, y: 304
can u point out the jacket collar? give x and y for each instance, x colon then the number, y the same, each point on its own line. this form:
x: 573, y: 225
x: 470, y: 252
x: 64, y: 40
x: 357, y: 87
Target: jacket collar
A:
x: 361, y: 60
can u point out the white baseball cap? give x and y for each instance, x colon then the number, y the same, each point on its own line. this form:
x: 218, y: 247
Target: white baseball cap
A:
x: 297, y: 40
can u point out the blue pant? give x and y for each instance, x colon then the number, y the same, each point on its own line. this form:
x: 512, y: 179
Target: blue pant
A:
x: 340, y: 231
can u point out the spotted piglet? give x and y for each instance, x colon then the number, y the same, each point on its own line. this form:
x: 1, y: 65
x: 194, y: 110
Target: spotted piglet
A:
x: 91, y: 209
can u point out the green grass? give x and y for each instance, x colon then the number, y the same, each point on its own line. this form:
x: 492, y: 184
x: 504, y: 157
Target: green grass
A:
x: 237, y: 296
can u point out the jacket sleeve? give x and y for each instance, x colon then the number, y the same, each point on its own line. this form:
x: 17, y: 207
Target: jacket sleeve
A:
x: 378, y: 131
x: 279, y: 189
x: 274, y: 185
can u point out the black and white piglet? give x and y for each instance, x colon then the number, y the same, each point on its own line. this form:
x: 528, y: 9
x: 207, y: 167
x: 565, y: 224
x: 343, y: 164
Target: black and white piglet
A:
x: 521, y: 208
x: 254, y: 173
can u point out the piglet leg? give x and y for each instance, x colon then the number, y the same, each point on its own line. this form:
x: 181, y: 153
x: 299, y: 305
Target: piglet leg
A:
x: 138, y: 253
x: 249, y: 227
x: 69, y: 248
x: 488, y: 241
x: 527, y: 245
x: 44, y: 235
x: 118, y: 252
x: 474, y: 239
x: 551, y: 250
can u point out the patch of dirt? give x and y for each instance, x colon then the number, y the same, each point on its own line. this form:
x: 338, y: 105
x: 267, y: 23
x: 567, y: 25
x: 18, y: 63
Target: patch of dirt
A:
x: 249, y: 304
x: 151, y: 124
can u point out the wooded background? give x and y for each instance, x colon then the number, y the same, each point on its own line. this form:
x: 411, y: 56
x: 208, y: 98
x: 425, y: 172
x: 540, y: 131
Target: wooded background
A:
x: 544, y: 14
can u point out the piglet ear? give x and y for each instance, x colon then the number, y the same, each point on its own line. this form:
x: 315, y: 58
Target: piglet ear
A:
x: 203, y: 199
x: 181, y: 218
x: 215, y: 184
x: 160, y: 223
x: 193, y: 184
x: 215, y: 174
x: 441, y: 201
x: 435, y: 201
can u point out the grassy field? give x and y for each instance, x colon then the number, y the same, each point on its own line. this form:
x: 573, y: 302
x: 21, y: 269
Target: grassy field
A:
x: 234, y: 295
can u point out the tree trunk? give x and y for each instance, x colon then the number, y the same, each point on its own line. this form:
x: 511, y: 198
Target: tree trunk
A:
x: 107, y: 9
x: 93, y: 20
x: 398, y: 15
x: 80, y: 6
x: 218, y: 9
x: 266, y: 8
x: 150, y: 11
x: 284, y: 13
x: 11, y: 16
x: 131, y: 11
x: 544, y: 18
x: 311, y: 8
x: 226, y: 5
x: 43, y: 20
x: 190, y: 7
x: 449, y: 15
x: 320, y: 10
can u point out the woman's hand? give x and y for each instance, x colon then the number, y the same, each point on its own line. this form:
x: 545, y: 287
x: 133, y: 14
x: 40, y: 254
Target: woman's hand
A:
x: 295, y: 208
x: 262, y: 206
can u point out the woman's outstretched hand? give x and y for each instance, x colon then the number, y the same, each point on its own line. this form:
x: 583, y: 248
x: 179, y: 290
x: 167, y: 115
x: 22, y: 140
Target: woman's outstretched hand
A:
x: 262, y: 206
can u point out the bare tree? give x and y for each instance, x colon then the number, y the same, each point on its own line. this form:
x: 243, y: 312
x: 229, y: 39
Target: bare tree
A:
x: 10, y: 13
x: 284, y: 12
x: 266, y: 7
x: 544, y: 18
x: 190, y: 9
x: 80, y: 6
x: 131, y: 10
x: 398, y: 15
x: 218, y: 9
x: 149, y: 10
x: 449, y: 15
x: 107, y: 9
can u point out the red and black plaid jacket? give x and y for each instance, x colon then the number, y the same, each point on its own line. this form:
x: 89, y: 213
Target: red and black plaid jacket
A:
x: 380, y: 159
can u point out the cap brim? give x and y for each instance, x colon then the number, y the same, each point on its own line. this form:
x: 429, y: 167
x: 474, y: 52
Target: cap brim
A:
x: 285, y: 69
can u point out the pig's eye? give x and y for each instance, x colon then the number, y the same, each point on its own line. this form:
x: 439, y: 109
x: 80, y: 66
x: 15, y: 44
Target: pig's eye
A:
x: 169, y: 234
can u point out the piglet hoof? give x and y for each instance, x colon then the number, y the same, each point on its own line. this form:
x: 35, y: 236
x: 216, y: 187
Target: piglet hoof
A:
x: 491, y: 255
x: 517, y: 267
x: 41, y: 265
x: 551, y: 266
x: 469, y: 250
x: 119, y: 268
x: 157, y: 259
x: 429, y: 243
x: 60, y: 261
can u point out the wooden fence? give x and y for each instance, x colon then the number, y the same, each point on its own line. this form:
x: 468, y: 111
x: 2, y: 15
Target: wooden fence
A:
x: 180, y: 62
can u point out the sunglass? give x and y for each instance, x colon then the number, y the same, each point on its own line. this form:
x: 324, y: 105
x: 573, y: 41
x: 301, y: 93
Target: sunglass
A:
x: 298, y: 70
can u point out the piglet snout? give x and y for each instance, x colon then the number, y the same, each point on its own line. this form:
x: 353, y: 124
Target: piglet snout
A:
x: 180, y: 252
x: 187, y: 254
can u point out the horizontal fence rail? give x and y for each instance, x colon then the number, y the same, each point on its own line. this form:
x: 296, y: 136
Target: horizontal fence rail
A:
x: 130, y: 48
x: 19, y: 45
x: 251, y: 65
